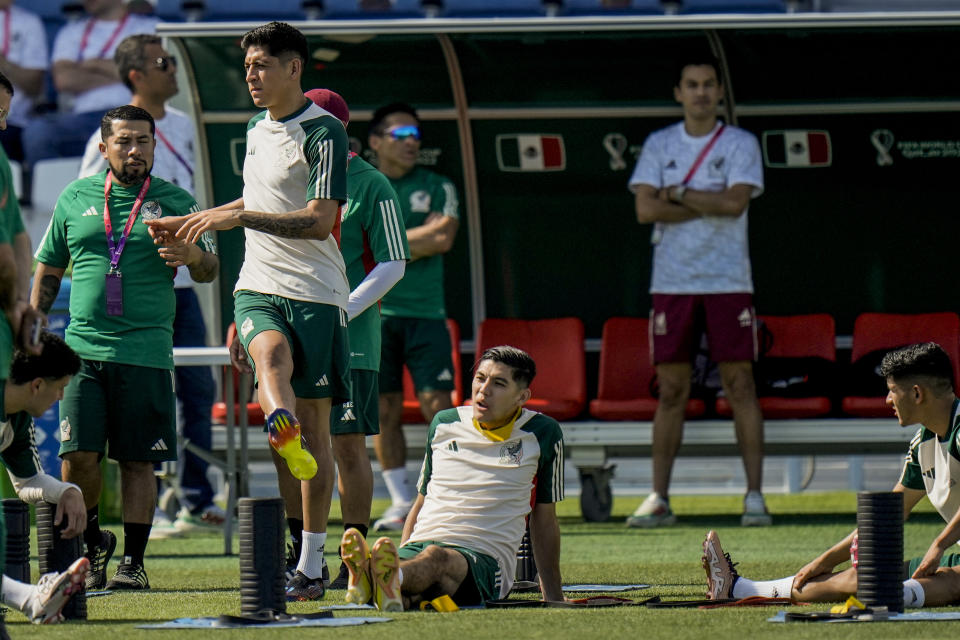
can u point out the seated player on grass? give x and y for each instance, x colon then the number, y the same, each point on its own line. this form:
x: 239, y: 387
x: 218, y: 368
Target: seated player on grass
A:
x: 921, y: 391
x: 35, y: 383
x: 485, y: 466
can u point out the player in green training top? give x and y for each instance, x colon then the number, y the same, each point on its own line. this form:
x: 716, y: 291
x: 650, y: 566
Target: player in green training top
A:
x: 121, y: 325
x: 414, y: 315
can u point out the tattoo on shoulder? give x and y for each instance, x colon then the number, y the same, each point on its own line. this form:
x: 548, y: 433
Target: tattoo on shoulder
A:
x: 49, y: 288
x: 288, y: 226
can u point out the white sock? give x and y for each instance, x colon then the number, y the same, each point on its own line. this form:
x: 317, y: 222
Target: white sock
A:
x: 398, y: 485
x: 781, y: 588
x: 400, y: 576
x: 311, y: 554
x: 913, y: 595
x: 15, y: 593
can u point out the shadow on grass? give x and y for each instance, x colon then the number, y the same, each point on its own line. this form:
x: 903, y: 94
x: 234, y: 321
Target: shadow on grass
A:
x: 616, y: 525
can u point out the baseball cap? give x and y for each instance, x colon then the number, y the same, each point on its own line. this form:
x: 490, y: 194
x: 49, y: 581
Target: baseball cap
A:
x: 332, y: 102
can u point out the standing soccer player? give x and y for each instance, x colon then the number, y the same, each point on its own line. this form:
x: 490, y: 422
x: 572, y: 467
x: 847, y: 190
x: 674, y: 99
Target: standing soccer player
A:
x: 290, y: 300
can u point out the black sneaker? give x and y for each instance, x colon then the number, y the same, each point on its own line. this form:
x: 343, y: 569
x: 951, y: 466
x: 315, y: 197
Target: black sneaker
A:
x: 303, y: 588
x: 129, y: 577
x: 293, y: 559
x: 342, y: 577
x: 99, y: 556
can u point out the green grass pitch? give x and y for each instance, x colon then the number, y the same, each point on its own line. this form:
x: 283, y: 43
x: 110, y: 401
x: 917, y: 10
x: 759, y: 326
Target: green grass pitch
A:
x: 191, y: 578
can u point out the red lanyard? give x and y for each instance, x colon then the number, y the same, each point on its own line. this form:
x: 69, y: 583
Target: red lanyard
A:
x: 117, y: 248
x: 703, y: 154
x: 176, y: 155
x: 86, y: 37
x: 6, y: 33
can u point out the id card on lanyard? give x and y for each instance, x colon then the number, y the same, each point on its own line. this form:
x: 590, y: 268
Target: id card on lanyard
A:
x: 657, y: 235
x: 113, y: 279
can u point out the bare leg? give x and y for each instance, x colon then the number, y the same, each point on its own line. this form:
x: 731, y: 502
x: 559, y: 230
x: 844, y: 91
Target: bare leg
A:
x: 739, y: 387
x: 314, y: 416
x: 355, y: 480
x: 435, y: 567
x: 139, y: 488
x: 271, y: 354
x: 674, y: 378
x: 942, y: 588
x: 432, y: 402
x: 390, y: 446
x: 831, y: 587
x: 289, y: 487
x: 82, y: 468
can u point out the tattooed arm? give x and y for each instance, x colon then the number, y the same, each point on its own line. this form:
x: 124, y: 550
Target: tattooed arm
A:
x: 46, y: 286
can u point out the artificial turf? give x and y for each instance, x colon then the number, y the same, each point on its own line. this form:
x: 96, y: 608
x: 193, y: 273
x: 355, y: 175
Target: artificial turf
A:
x: 191, y: 578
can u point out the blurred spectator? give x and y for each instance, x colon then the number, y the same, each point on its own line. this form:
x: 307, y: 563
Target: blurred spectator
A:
x: 85, y: 77
x: 24, y: 60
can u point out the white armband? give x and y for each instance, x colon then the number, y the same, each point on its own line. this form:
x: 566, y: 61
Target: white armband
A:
x: 375, y: 286
x: 41, y: 487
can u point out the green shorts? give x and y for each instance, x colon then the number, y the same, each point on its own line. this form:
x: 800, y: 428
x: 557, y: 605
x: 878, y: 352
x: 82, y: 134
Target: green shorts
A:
x: 423, y: 344
x: 362, y: 414
x: 317, y: 335
x: 947, y: 560
x: 127, y: 407
x: 483, y: 573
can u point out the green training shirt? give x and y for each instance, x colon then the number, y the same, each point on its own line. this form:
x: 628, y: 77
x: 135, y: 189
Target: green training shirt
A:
x: 371, y: 231
x: 420, y: 293
x: 18, y: 448
x: 143, y: 335
x: 11, y: 224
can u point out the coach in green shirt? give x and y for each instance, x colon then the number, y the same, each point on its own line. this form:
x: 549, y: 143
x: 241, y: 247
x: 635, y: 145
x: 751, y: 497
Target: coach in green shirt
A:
x: 121, y: 324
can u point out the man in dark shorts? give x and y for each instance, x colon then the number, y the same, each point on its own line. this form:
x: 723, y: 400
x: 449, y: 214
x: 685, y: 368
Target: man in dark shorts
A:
x: 693, y: 182
x: 122, y: 307
x: 920, y: 383
x: 414, y: 314
x: 487, y: 467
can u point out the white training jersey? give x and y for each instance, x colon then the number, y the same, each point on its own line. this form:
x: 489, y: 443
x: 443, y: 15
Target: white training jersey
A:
x: 933, y: 465
x: 174, y: 159
x: 707, y: 254
x: 23, y: 41
x: 478, y: 490
x: 289, y: 162
x: 92, y: 39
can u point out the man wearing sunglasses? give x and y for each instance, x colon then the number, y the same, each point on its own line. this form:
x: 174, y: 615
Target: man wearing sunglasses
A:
x: 414, y: 326
x: 149, y: 71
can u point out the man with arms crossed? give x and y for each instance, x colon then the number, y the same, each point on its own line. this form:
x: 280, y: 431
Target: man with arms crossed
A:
x: 694, y: 181
x: 920, y: 383
x: 414, y: 314
x: 487, y: 467
x: 290, y: 300
x: 121, y: 324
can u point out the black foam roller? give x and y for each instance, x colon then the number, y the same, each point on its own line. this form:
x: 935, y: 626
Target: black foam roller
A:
x: 262, y: 562
x: 57, y: 554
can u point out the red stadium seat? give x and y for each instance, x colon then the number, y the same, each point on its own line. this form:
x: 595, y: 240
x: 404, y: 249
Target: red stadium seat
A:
x: 556, y: 345
x: 626, y: 372
x: 873, y: 331
x: 219, y: 411
x: 411, y: 405
x: 802, y: 336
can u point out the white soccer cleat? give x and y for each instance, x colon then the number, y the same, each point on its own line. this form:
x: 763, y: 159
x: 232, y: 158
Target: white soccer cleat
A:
x: 53, y: 591
x: 721, y: 574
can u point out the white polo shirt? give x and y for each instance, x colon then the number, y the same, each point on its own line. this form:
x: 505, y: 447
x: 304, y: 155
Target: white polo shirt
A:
x: 23, y: 41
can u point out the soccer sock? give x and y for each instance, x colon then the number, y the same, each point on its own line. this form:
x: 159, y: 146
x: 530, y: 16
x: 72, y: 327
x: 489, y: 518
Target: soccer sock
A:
x: 296, y: 533
x: 397, y: 485
x: 15, y: 593
x: 362, y: 528
x: 913, y: 595
x: 781, y: 588
x: 311, y: 557
x: 135, y: 537
x: 91, y: 535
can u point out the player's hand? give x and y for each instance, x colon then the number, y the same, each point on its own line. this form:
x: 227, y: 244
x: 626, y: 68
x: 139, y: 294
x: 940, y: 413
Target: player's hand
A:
x: 238, y: 356
x: 810, y: 571
x: 165, y: 228
x: 196, y: 224
x: 72, y: 508
x: 930, y: 563
x: 29, y: 319
x: 180, y: 253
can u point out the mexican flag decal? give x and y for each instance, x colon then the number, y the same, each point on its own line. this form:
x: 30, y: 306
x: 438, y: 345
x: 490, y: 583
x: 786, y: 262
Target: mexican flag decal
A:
x: 797, y: 148
x: 530, y: 152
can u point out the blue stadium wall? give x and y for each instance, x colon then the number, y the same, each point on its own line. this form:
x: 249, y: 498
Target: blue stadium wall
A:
x: 865, y: 223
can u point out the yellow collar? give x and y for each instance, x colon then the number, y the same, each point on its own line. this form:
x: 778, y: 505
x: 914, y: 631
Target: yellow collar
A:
x: 499, y: 434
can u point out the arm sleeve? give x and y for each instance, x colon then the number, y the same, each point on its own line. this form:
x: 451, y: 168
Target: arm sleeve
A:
x: 647, y: 170
x: 374, y: 286
x: 325, y: 149
x: 911, y: 477
x: 426, y: 470
x: 747, y: 165
x: 550, y: 466
x: 40, y: 488
x: 53, y: 249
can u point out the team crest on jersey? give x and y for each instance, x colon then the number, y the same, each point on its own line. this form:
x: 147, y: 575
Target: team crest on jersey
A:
x: 715, y: 169
x: 246, y: 327
x: 420, y: 201
x: 151, y: 210
x: 511, y: 453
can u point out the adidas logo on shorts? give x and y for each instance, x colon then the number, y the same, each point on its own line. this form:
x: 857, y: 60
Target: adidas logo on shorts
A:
x: 322, y: 382
x: 445, y: 375
x: 159, y: 445
x: 348, y: 416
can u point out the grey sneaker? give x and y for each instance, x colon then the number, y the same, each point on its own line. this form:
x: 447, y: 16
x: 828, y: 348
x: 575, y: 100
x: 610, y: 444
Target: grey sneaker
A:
x: 755, y: 512
x: 393, y: 518
x: 99, y: 556
x: 129, y: 577
x: 652, y: 512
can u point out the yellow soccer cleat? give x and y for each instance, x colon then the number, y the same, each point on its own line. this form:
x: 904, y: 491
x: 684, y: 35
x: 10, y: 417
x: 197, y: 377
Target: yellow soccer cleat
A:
x: 355, y: 554
x: 283, y: 432
x: 385, y: 575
